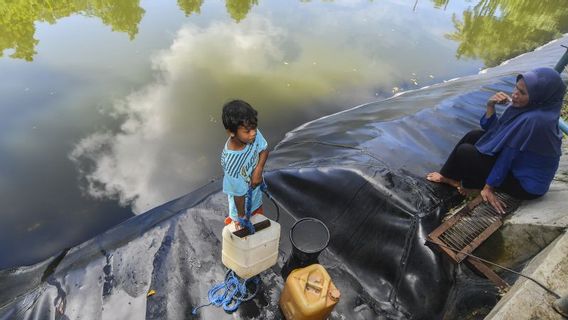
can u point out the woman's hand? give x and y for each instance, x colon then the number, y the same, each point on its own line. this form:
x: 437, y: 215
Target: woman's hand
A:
x: 498, y: 98
x: 256, y: 178
x: 489, y: 196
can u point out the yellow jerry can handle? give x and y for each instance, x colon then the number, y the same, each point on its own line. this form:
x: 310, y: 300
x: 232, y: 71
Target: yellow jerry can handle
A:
x: 315, y: 283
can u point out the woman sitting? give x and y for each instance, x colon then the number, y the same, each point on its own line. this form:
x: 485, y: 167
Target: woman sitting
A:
x: 517, y: 153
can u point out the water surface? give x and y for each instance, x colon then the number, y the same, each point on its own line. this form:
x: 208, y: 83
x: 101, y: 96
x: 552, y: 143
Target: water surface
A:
x: 112, y: 107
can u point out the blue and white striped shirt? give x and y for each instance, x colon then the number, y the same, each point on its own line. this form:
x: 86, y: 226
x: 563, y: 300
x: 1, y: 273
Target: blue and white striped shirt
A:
x: 237, y: 169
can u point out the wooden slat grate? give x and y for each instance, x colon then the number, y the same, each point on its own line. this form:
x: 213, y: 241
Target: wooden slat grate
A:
x: 468, y: 228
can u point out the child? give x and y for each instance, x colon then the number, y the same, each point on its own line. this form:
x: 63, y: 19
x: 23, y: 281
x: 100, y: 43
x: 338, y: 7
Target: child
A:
x: 242, y: 159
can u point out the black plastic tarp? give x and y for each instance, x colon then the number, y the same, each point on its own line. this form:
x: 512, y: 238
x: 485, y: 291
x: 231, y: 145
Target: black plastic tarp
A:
x: 359, y: 171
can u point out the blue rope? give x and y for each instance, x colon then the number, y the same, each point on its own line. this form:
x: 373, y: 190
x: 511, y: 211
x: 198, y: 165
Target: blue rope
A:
x: 230, y: 293
x: 248, y: 208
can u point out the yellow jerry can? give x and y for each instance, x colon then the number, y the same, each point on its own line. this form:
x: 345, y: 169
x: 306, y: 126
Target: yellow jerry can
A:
x: 308, y: 294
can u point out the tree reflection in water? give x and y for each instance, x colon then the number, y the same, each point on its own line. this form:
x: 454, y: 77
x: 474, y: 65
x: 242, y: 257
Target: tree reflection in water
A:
x: 496, y: 30
x: 491, y: 30
x: 190, y: 7
x: 238, y: 9
x: 18, y: 19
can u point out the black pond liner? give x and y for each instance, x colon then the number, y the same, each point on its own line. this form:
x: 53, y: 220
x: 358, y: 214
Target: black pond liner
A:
x: 309, y: 237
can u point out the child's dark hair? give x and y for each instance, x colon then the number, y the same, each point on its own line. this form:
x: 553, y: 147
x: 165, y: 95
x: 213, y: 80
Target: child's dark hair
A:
x: 238, y: 113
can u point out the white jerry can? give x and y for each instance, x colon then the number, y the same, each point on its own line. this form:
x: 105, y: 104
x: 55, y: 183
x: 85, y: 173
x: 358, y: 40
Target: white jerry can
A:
x: 252, y: 254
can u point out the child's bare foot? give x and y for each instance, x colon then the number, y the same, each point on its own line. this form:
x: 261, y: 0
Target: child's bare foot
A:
x: 437, y: 177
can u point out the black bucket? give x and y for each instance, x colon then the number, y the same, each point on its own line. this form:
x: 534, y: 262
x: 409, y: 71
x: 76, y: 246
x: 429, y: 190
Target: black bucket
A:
x: 309, y: 237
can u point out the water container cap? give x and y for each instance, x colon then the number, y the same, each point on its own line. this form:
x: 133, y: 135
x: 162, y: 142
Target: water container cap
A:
x: 334, y: 294
x: 309, y: 235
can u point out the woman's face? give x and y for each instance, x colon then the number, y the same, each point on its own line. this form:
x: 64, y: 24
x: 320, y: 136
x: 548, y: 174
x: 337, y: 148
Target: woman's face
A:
x: 520, y: 95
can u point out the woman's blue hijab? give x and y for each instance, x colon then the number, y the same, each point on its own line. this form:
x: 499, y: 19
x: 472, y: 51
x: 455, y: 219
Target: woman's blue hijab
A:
x: 534, y: 127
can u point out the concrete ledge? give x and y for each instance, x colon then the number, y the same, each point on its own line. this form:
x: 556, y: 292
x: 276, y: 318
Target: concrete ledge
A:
x: 527, y: 300
x: 549, y: 210
x: 535, y: 224
x: 514, y: 244
x: 529, y: 229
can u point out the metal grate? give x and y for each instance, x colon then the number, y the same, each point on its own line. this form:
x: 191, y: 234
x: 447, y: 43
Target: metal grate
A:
x: 462, y: 233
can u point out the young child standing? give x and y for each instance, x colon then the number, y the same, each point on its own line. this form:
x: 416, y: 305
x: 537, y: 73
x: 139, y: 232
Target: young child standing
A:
x: 242, y: 159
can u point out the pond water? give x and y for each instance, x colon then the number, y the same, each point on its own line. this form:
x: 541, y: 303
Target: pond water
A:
x: 109, y: 108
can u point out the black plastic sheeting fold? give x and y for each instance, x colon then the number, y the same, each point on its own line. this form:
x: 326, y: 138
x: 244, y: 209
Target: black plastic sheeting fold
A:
x: 359, y: 171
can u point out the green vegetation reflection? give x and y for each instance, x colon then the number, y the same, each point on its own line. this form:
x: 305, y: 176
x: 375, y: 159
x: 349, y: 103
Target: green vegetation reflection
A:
x: 190, y: 6
x: 496, y: 30
x: 18, y: 19
x: 237, y: 9
x: 491, y: 30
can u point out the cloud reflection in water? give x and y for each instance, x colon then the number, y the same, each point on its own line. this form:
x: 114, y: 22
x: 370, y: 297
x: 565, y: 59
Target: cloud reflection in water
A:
x: 170, y: 139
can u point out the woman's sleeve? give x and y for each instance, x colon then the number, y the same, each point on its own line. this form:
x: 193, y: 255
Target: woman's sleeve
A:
x: 487, y: 123
x: 502, y: 166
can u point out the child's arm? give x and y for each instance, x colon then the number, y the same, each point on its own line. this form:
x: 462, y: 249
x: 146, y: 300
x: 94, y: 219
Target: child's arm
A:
x: 256, y: 178
x: 240, y: 204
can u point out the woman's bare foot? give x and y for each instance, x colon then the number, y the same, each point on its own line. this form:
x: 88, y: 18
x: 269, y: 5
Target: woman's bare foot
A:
x: 468, y: 192
x: 437, y: 177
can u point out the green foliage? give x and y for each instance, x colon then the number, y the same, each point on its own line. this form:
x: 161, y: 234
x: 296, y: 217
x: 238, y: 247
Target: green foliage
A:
x: 238, y: 9
x: 440, y: 3
x: 492, y: 30
x: 121, y: 15
x: 190, y: 6
x: 496, y: 30
x: 19, y: 17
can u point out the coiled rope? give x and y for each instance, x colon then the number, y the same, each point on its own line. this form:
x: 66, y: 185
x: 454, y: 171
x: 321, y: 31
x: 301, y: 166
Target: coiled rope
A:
x: 233, y: 291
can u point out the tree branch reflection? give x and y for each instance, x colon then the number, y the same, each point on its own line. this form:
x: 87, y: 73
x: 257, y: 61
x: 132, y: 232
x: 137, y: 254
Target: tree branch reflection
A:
x: 491, y: 30
x: 496, y: 30
x: 18, y: 19
x: 190, y: 6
